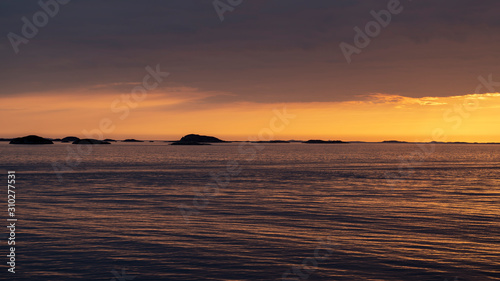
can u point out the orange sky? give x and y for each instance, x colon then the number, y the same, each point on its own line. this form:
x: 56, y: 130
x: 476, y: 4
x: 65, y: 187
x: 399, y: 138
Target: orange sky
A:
x: 414, y: 77
x: 225, y: 78
x: 174, y: 112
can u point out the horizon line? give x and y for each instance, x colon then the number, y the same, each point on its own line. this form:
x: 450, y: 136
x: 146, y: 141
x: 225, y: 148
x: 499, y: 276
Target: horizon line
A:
x: 387, y: 141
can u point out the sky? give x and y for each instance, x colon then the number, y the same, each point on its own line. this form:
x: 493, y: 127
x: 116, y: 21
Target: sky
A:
x: 162, y: 69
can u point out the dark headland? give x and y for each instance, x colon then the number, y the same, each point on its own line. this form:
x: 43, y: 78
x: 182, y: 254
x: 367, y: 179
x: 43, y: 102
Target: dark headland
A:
x: 194, y: 139
x: 70, y: 139
x: 31, y: 139
x: 323, y: 141
x: 132, y: 140
x: 90, y: 141
x: 394, y: 141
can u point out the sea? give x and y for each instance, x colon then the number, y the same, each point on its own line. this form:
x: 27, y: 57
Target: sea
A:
x: 253, y: 211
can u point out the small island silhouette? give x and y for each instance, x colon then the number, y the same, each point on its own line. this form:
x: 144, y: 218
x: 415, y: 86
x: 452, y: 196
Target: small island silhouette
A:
x: 31, y: 139
x: 90, y: 141
x: 194, y: 139
x: 132, y: 140
x: 70, y: 139
x: 323, y: 141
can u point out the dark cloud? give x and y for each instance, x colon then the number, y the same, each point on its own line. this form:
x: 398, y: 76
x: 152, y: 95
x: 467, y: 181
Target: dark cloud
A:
x: 264, y: 51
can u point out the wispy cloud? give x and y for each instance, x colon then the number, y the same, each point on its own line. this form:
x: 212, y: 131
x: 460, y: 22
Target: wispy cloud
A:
x: 399, y: 101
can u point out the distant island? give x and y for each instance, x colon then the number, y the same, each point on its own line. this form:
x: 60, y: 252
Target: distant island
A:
x: 200, y: 138
x: 189, y: 143
x: 31, y: 139
x: 194, y: 139
x: 394, y: 141
x: 323, y: 141
x: 90, y: 141
x: 132, y: 140
x: 70, y: 139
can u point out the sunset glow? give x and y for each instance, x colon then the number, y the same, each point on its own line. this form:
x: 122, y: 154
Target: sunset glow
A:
x: 171, y: 113
x: 291, y: 140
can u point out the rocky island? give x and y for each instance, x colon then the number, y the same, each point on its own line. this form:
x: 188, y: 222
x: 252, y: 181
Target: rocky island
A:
x: 31, y: 139
x: 394, y: 141
x: 70, y: 139
x: 90, y: 141
x: 194, y: 139
x: 189, y: 143
x: 322, y: 141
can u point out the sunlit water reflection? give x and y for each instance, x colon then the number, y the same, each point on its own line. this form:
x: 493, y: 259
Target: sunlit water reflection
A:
x: 119, y: 209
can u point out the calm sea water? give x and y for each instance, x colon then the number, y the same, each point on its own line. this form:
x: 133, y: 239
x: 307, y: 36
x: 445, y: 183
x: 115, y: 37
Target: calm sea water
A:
x: 318, y: 212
